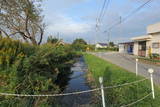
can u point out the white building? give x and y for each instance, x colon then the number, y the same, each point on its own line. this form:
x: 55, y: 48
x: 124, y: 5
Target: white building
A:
x: 150, y: 43
x: 101, y: 45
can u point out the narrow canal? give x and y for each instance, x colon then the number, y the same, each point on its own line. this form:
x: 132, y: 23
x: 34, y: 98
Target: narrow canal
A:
x: 77, y: 82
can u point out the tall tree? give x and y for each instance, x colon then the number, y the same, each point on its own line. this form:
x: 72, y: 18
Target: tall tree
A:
x: 22, y: 18
x: 111, y: 44
x: 52, y: 40
x: 79, y: 41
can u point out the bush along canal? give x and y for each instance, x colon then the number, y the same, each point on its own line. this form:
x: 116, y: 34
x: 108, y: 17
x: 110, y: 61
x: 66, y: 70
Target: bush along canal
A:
x: 76, y: 82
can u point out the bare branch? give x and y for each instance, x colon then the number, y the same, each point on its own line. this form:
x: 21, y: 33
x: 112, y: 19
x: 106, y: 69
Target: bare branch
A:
x: 41, y: 35
x: 6, y: 34
x: 22, y: 17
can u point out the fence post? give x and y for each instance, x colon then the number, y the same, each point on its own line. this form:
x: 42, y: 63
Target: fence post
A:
x: 102, y: 90
x: 136, y: 66
x: 152, y: 84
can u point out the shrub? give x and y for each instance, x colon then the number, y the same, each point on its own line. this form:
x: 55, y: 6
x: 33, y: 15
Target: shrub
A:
x: 79, y: 47
x: 108, y: 49
x: 154, y: 55
x: 32, y: 69
x: 10, y: 50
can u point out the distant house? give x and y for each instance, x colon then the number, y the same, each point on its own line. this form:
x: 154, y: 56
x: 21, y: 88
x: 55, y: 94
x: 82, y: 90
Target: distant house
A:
x: 101, y: 45
x: 126, y: 47
x: 148, y: 44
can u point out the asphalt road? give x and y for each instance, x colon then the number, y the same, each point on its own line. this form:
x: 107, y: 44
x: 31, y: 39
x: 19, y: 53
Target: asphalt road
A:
x: 128, y: 62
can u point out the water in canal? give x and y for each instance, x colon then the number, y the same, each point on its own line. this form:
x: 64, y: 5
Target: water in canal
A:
x: 77, y: 82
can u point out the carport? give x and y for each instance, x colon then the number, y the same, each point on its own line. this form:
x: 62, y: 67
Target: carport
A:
x: 126, y: 47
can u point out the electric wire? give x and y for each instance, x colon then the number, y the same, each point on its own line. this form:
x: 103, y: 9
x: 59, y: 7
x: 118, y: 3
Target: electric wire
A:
x: 129, y: 15
x: 102, y: 13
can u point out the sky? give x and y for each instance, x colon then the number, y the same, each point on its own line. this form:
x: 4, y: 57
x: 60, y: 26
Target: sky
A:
x: 71, y: 19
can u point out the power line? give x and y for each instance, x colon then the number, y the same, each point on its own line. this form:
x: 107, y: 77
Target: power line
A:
x: 100, y: 17
x: 107, y: 5
x: 102, y: 12
x: 129, y: 15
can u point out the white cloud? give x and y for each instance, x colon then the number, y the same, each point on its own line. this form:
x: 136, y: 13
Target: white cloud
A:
x: 66, y: 25
x: 61, y: 4
x: 69, y: 26
x: 72, y: 1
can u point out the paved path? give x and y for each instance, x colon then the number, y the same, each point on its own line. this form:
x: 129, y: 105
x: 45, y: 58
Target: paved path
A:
x: 128, y: 62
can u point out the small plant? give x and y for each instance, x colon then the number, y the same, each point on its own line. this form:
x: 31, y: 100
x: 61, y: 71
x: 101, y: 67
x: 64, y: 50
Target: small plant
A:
x: 155, y: 56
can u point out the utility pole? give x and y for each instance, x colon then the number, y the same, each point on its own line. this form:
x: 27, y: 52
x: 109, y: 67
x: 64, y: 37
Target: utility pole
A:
x: 58, y: 36
x: 120, y: 29
x: 97, y: 28
x: 108, y: 36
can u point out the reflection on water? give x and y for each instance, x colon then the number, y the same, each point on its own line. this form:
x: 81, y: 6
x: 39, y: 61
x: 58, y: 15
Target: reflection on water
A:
x: 77, y: 82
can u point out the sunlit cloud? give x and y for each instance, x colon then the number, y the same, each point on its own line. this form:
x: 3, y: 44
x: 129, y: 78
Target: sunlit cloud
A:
x: 66, y: 25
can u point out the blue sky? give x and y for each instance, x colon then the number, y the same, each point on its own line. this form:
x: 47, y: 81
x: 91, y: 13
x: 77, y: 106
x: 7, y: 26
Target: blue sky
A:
x: 77, y: 18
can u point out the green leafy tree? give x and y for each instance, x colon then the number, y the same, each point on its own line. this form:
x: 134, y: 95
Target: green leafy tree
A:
x: 52, y: 40
x: 79, y: 45
x: 79, y: 41
x: 111, y: 44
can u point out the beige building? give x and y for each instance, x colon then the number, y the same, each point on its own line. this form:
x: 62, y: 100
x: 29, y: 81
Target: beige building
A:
x: 150, y: 43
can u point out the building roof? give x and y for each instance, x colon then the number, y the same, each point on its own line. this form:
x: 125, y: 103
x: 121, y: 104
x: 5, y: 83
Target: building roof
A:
x: 103, y: 44
x: 142, y: 38
x: 127, y: 43
x: 154, y: 28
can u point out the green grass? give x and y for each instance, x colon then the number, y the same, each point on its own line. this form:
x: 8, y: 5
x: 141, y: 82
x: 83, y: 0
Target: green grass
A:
x: 114, y: 75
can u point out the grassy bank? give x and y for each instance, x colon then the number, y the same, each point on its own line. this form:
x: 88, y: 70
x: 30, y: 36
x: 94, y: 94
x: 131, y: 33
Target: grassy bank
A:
x: 114, y: 75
